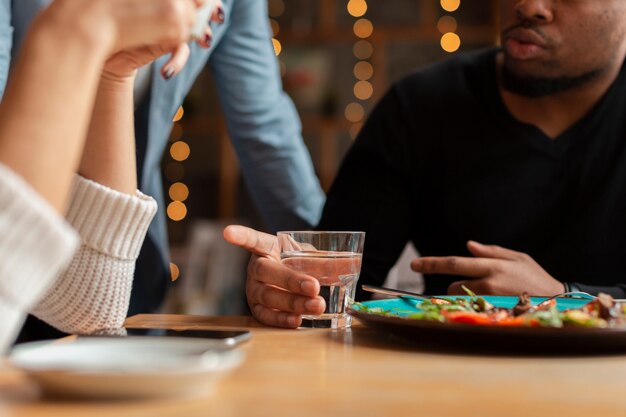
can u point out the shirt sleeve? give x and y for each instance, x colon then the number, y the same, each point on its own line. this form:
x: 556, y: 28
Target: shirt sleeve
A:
x: 93, y: 293
x: 36, y: 244
x: 6, y: 42
x: 263, y: 122
x: 618, y: 291
x: 372, y: 192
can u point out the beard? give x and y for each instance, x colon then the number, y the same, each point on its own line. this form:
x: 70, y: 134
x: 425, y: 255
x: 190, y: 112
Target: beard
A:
x: 535, y: 87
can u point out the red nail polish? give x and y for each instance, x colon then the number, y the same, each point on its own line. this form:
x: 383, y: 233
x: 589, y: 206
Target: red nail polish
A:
x: 221, y: 16
x: 168, y: 73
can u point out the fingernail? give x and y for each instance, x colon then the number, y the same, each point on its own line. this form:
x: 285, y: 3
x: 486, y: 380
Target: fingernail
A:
x: 207, y: 39
x: 293, y: 321
x: 168, y: 73
x: 308, y: 287
x: 221, y: 16
x: 312, y: 305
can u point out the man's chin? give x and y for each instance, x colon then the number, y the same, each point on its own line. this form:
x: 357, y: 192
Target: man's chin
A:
x: 527, y: 84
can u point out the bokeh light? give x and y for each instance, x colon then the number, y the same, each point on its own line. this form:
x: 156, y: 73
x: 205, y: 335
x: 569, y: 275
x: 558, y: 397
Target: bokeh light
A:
x: 355, y: 129
x: 179, y: 114
x: 363, y: 50
x: 450, y: 42
x: 176, y: 211
x: 354, y: 112
x: 276, y: 8
x: 363, y: 70
x: 357, y: 8
x: 450, y: 5
x: 278, y: 48
x: 363, y: 90
x: 447, y: 24
x: 174, y: 271
x: 179, y: 191
x: 275, y: 27
x: 363, y: 28
x: 180, y: 151
x: 174, y: 171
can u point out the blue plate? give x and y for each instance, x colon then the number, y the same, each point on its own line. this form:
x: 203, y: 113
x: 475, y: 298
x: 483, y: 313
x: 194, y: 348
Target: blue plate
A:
x: 405, y: 305
x: 487, y: 339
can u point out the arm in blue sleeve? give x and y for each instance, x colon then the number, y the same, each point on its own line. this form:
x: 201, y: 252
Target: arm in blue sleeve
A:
x: 263, y: 122
x: 6, y: 42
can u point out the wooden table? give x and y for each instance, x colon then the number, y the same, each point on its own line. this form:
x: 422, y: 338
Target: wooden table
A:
x: 355, y: 373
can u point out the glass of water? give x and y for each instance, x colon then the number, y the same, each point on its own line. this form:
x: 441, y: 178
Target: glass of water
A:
x: 333, y: 258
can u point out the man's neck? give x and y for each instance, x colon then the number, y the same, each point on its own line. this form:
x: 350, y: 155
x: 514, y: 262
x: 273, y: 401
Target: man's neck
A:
x: 556, y: 113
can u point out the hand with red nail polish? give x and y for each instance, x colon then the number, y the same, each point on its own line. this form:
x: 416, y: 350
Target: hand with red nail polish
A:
x: 168, y: 33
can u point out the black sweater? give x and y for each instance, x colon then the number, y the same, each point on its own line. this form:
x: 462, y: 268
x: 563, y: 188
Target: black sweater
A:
x: 441, y: 161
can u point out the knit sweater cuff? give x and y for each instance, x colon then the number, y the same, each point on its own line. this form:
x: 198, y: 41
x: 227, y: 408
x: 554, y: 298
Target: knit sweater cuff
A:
x: 109, y: 221
x: 36, y: 243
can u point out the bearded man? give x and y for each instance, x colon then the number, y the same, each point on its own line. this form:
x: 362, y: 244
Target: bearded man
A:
x: 522, y: 148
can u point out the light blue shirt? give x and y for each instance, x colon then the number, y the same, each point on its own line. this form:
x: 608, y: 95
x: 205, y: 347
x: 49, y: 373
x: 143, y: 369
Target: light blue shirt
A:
x: 261, y: 119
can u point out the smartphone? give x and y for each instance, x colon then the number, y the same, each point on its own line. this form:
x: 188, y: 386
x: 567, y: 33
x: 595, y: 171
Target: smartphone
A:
x: 220, y: 336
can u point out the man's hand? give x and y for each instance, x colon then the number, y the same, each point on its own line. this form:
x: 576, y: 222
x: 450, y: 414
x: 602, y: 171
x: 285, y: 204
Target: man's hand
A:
x: 277, y: 295
x: 493, y: 270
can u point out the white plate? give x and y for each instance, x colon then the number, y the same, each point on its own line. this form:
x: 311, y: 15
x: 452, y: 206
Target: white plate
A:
x: 127, y: 367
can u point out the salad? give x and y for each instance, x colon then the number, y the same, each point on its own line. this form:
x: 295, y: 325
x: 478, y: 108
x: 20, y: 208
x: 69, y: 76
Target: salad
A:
x: 602, y: 312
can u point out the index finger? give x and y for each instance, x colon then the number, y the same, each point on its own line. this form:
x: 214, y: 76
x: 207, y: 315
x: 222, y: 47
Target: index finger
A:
x: 259, y: 243
x: 454, y: 265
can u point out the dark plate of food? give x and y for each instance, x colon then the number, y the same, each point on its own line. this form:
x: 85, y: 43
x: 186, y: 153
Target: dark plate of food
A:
x: 504, y: 324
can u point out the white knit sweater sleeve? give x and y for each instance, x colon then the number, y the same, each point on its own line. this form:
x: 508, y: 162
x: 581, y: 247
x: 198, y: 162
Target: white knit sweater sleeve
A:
x: 92, y: 295
x: 35, y: 245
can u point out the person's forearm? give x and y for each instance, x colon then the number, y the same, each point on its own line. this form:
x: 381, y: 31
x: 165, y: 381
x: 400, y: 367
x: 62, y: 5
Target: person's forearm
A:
x: 46, y: 108
x: 109, y: 154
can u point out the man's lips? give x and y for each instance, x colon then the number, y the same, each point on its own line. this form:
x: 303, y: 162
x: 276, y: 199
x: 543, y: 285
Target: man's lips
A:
x: 523, y: 44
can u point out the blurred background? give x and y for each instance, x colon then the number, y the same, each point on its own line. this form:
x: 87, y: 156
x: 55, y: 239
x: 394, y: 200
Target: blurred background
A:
x: 337, y: 58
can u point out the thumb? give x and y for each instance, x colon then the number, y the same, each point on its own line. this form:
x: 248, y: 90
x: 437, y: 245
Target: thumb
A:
x: 253, y: 241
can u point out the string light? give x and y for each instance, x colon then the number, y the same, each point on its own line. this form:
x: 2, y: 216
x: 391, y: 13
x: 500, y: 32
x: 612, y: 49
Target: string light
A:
x: 180, y: 151
x: 363, y: 28
x: 175, y: 172
x: 176, y: 210
x: 174, y: 271
x: 357, y: 8
x: 450, y: 5
x: 276, y: 9
x: 278, y: 48
x: 447, y: 25
x: 179, y: 114
x: 363, y: 70
x: 450, y: 42
x: 363, y: 49
x: 179, y: 191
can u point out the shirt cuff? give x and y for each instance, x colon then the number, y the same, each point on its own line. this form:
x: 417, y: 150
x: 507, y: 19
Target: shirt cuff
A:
x: 35, y: 242
x: 109, y: 221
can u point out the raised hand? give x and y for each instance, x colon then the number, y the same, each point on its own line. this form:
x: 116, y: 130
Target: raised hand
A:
x: 124, y: 63
x: 493, y: 270
x: 277, y: 295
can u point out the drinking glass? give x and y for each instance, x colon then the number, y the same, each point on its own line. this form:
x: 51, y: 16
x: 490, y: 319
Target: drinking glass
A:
x: 334, y: 259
